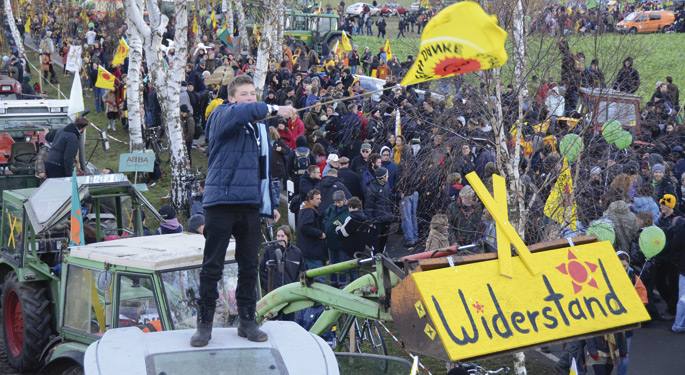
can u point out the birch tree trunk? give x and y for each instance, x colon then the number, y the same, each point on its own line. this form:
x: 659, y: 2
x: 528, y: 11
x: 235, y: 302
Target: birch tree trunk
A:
x: 520, y: 85
x: 227, y: 10
x: 167, y: 84
x: 133, y: 78
x: 265, y: 50
x: 242, y: 28
x: 279, y: 29
x: 13, y: 28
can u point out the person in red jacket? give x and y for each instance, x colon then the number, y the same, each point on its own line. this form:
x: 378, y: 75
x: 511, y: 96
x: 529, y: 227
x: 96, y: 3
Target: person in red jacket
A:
x: 296, y: 127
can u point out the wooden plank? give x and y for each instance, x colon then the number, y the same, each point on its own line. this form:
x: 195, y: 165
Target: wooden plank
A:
x: 435, y: 263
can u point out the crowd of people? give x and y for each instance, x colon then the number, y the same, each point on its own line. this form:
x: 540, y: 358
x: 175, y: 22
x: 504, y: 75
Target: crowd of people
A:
x: 371, y: 174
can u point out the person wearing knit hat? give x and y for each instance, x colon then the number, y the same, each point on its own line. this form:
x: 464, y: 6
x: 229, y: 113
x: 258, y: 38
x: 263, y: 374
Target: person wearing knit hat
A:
x: 662, y: 183
x: 169, y: 222
x: 380, y: 173
x: 667, y: 205
x: 668, y: 200
x: 595, y: 170
x: 196, y: 224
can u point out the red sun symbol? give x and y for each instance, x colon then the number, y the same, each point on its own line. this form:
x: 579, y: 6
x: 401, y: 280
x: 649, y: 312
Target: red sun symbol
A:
x: 456, y: 65
x: 580, y: 273
x: 106, y: 76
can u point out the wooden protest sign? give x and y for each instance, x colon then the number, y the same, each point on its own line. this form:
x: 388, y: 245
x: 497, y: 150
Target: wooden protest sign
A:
x: 487, y: 307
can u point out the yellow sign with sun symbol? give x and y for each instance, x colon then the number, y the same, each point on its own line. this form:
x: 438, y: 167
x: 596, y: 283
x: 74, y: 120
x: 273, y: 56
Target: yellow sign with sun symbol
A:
x: 460, y: 39
x: 578, y: 290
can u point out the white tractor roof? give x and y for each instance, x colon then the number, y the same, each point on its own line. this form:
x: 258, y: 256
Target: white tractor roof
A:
x: 289, y: 350
x: 155, y: 253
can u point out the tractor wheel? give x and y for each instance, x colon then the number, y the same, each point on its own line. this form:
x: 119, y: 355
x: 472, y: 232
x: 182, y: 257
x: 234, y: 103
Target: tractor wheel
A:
x: 26, y: 318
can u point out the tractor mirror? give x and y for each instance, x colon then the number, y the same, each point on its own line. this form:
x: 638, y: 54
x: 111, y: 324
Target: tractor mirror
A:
x: 104, y: 280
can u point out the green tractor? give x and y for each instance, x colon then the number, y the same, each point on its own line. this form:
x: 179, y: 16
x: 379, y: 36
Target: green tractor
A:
x: 319, y: 31
x: 23, y: 127
x: 56, y: 299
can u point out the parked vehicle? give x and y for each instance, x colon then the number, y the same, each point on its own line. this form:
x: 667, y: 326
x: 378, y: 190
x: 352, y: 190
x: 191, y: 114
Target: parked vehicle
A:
x: 646, y: 22
x: 58, y: 299
x: 289, y: 350
x: 393, y: 9
x: 357, y: 9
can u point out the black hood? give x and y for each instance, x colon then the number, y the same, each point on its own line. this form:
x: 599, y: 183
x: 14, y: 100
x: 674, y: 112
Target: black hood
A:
x: 71, y: 128
x: 358, y: 215
x: 328, y: 181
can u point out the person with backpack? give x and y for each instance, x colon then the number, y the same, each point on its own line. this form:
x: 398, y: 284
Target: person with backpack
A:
x: 333, y: 217
x: 379, y: 207
x: 307, y: 182
x: 356, y: 230
x: 301, y: 160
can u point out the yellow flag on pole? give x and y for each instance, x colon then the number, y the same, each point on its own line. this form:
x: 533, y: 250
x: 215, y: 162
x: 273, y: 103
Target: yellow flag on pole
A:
x: 27, y: 25
x: 213, y: 18
x: 388, y: 51
x: 105, y: 79
x: 461, y: 39
x: 195, y: 27
x: 345, y: 42
x: 560, y: 205
x: 121, y: 53
x: 574, y: 367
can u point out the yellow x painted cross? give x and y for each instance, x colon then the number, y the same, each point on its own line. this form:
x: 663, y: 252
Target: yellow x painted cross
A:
x: 11, y: 241
x: 506, y: 234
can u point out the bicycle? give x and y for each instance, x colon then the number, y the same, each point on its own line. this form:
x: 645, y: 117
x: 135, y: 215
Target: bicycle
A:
x: 156, y: 139
x: 476, y: 369
x: 361, y: 336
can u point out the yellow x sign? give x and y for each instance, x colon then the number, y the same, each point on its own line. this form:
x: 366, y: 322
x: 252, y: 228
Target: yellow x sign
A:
x: 506, y: 234
x: 11, y: 242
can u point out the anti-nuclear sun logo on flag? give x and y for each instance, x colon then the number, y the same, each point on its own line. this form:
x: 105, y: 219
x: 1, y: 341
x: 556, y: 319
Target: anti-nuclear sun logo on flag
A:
x: 455, y: 65
x: 580, y: 273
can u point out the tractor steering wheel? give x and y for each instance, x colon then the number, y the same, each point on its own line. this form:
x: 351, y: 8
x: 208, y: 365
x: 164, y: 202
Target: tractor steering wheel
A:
x: 25, y: 157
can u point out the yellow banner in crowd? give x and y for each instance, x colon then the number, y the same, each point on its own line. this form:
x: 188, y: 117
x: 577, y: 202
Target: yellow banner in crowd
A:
x: 460, y: 39
x: 121, y: 54
x: 560, y: 205
x: 345, y: 42
x: 105, y: 79
x: 474, y: 311
x: 388, y: 50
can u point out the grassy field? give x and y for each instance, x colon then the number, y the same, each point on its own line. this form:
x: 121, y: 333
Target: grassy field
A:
x: 656, y: 55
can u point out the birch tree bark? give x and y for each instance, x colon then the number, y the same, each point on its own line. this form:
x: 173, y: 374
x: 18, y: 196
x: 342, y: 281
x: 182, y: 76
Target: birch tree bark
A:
x: 242, y: 27
x: 227, y: 10
x: 133, y: 77
x: 167, y: 83
x: 279, y: 29
x: 265, y: 49
x: 13, y: 28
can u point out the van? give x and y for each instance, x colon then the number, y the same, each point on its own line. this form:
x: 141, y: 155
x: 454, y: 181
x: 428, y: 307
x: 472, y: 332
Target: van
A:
x: 646, y: 22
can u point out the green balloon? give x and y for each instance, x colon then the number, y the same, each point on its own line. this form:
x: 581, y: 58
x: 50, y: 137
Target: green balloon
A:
x: 611, y: 131
x: 603, y: 230
x: 571, y: 146
x: 652, y: 241
x: 624, y: 141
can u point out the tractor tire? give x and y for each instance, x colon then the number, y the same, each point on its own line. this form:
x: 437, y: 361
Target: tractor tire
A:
x: 26, y: 317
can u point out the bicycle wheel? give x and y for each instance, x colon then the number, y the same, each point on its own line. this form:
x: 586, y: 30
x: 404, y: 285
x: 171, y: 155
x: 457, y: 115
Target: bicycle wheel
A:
x: 161, y: 152
x: 370, y: 339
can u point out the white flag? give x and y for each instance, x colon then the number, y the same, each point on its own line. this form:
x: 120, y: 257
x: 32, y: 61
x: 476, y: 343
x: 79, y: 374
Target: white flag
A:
x: 74, y: 60
x: 76, y: 104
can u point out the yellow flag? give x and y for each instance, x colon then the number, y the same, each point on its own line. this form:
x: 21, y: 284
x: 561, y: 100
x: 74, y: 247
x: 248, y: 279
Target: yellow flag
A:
x: 560, y: 205
x: 27, y: 25
x: 461, y: 39
x: 213, y: 18
x: 44, y: 20
x: 195, y: 27
x: 121, y: 54
x: 388, y: 51
x: 574, y: 367
x: 345, y: 42
x: 105, y: 79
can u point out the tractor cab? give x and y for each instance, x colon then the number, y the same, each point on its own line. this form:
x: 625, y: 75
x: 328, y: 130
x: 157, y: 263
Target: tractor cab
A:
x: 36, y: 222
x: 318, y: 31
x: 23, y: 127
